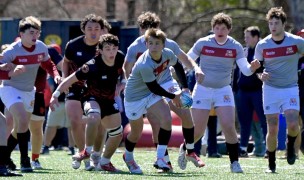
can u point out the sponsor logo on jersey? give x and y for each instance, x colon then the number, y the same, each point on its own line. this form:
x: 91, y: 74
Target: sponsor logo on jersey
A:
x: 22, y: 60
x: 271, y: 53
x: 104, y: 77
x: 79, y: 53
x: 29, y: 59
x: 280, y: 51
x: 218, y: 52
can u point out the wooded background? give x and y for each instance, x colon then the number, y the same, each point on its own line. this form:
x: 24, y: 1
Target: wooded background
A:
x: 183, y: 20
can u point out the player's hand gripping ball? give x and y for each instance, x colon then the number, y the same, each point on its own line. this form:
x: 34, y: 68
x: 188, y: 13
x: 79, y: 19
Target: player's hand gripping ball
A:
x: 186, y: 100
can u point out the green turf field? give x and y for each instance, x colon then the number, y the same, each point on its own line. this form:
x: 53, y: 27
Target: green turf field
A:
x: 57, y: 165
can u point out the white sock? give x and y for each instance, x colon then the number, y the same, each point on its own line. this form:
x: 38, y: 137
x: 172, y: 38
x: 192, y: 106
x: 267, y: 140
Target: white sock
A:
x: 190, y: 146
x: 161, y: 150
x: 96, y: 153
x: 166, y: 158
x: 129, y: 155
x: 104, y: 161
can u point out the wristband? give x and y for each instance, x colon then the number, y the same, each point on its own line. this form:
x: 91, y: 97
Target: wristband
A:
x: 56, y: 94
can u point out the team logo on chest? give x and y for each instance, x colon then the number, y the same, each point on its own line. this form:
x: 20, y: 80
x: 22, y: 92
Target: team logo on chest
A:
x: 229, y: 53
x: 40, y: 58
x: 104, y: 77
x: 161, y: 68
x: 289, y: 50
x: 79, y: 53
x: 293, y: 101
x: 227, y: 98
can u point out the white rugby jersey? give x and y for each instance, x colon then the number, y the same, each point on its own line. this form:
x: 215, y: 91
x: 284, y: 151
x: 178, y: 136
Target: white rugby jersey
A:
x: 147, y: 70
x: 281, y: 60
x: 216, y: 61
x: 17, y: 55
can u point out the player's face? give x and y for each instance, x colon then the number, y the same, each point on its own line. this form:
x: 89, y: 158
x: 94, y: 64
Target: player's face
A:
x: 109, y: 52
x: 276, y: 27
x: 29, y: 37
x: 221, y: 32
x: 250, y: 40
x: 155, y: 46
x: 92, y: 32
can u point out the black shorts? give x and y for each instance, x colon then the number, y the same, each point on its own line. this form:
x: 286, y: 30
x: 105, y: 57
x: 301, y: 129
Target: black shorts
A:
x: 107, y: 106
x: 75, y: 93
x: 39, y: 105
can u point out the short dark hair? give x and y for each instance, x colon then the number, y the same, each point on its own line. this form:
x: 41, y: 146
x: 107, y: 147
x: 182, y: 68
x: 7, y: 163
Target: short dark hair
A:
x: 92, y: 18
x: 29, y: 22
x: 148, y: 20
x: 155, y: 33
x: 108, y: 39
x: 221, y: 18
x: 254, y: 31
x: 278, y: 13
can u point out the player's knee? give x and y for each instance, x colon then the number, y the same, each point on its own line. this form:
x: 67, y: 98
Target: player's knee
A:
x: 114, y: 132
x: 93, y: 116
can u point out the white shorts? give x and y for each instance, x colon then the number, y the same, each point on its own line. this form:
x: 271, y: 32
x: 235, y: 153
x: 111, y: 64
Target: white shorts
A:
x: 136, y: 109
x: 276, y: 100
x: 37, y: 118
x: 10, y: 95
x: 58, y: 117
x: 206, y: 98
x: 171, y: 87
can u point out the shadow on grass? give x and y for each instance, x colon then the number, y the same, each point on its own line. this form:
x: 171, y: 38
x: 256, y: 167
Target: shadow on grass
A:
x: 151, y: 174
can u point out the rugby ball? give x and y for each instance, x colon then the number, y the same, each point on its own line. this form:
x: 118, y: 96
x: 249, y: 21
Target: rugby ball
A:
x: 186, y: 100
x: 76, y: 164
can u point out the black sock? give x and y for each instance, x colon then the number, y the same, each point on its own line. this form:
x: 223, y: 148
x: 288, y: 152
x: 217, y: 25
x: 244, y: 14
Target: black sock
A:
x: 129, y: 145
x: 233, y: 152
x: 3, y: 155
x: 164, y: 136
x: 291, y: 140
x: 271, y: 156
x: 11, y: 144
x: 23, y: 139
x: 189, y: 137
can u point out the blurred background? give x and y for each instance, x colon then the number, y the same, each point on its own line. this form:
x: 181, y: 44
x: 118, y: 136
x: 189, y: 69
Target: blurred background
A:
x: 184, y: 21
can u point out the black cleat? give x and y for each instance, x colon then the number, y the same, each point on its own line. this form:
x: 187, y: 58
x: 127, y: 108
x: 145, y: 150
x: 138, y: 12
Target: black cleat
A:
x: 11, y: 165
x: 25, y: 165
x: 243, y: 154
x: 291, y: 155
x: 271, y: 168
x: 4, y: 172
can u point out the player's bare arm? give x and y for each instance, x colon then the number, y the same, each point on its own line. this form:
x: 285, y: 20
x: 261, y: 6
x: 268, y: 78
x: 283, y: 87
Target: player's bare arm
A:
x: 127, y: 68
x: 190, y: 63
